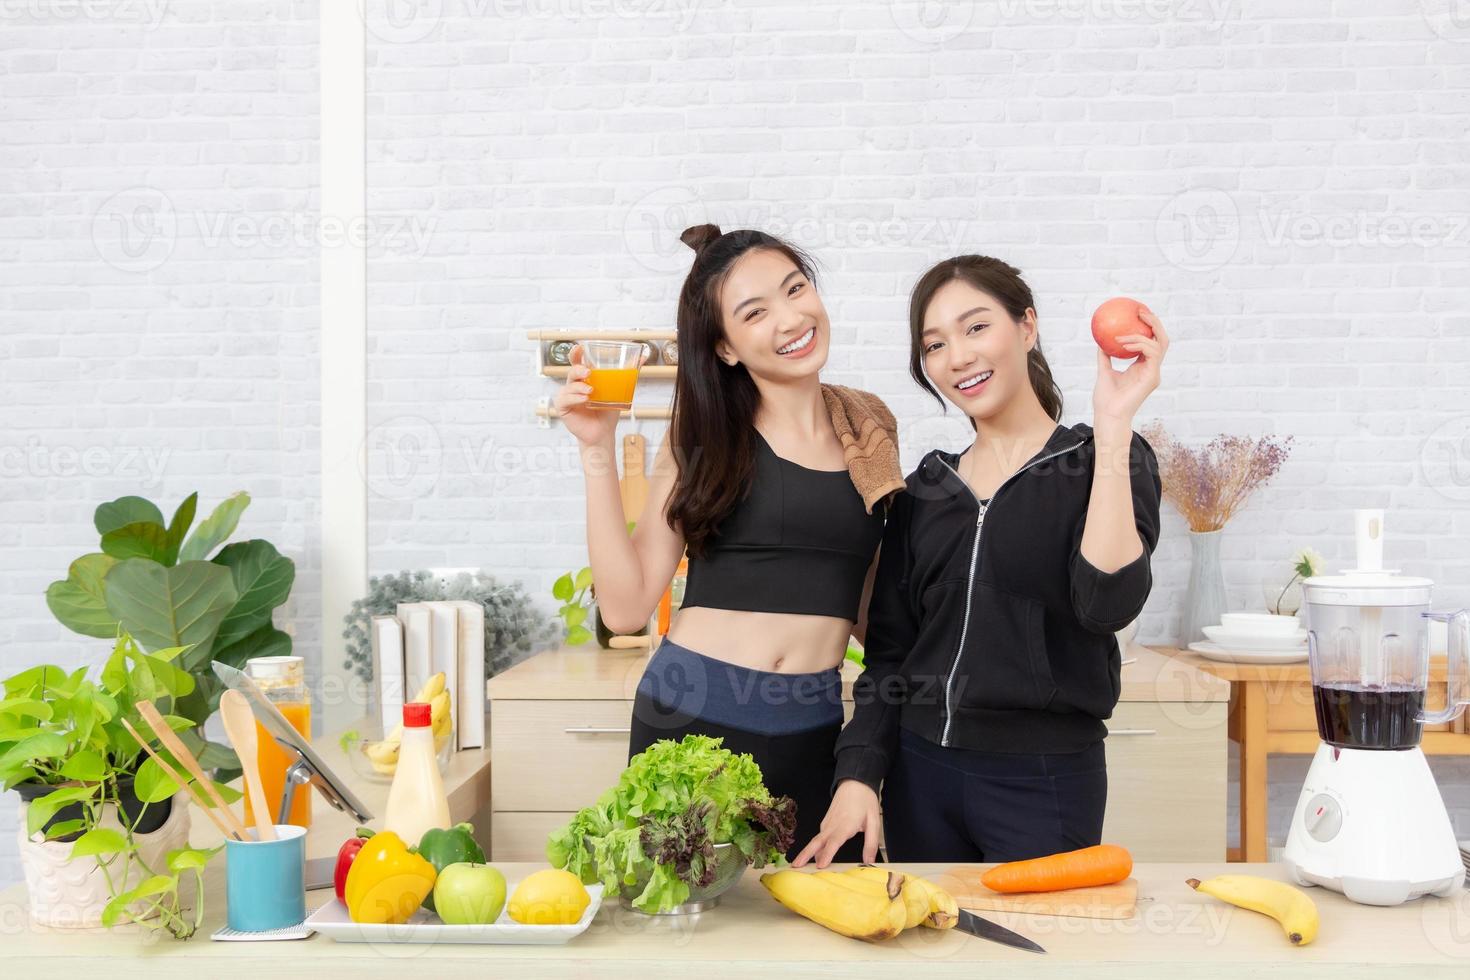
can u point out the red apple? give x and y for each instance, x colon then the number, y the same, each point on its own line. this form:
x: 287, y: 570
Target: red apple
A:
x: 1116, y: 318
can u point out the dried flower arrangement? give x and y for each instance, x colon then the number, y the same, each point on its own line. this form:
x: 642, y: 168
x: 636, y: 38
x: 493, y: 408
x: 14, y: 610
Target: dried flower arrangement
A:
x: 1209, y: 484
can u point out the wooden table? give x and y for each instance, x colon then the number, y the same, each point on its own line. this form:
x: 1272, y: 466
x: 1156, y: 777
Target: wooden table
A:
x: 1175, y: 932
x: 1271, y: 711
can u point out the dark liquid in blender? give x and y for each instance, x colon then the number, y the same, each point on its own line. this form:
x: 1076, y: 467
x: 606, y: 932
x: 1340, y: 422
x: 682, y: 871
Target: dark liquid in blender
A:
x: 1353, y: 716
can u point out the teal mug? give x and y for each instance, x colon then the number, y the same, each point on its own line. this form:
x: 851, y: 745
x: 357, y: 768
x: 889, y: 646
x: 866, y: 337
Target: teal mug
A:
x: 265, y: 881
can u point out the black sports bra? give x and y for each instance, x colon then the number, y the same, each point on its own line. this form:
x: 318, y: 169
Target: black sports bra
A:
x: 800, y: 542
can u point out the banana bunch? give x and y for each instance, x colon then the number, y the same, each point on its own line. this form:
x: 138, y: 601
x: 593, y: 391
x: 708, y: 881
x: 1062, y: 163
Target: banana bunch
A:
x: 865, y: 903
x: 384, y: 754
x: 1288, y: 905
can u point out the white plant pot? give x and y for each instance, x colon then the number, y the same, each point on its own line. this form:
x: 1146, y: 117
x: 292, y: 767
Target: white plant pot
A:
x: 67, y: 894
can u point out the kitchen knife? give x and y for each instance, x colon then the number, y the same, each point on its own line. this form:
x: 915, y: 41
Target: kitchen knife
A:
x: 985, y: 929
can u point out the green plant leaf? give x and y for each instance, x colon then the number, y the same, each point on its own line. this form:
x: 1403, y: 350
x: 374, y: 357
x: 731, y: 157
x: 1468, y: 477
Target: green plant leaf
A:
x: 230, y: 794
x: 211, y: 755
x: 179, y: 526
x: 28, y: 707
x: 40, y: 810
x: 190, y: 858
x: 125, y: 510
x: 267, y: 641
x: 42, y: 745
x: 99, y: 840
x: 117, y: 908
x: 562, y: 588
x: 86, y: 766
x: 177, y: 723
x: 63, y: 827
x: 79, y: 601
x: 584, y: 579
x: 143, y: 539
x: 577, y: 635
x: 152, y: 784
x: 215, y: 529
x: 575, y: 616
x: 262, y: 578
x: 169, y: 607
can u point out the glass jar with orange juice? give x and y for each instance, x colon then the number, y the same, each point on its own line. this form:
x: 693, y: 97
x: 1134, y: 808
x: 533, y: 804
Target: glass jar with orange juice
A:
x: 283, y: 681
x: 613, y: 371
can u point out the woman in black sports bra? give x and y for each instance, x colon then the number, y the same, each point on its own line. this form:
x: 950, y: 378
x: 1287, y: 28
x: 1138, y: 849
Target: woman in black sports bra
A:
x: 751, y: 478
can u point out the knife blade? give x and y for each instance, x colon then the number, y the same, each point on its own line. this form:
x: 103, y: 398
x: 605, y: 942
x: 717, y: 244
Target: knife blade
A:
x: 985, y: 929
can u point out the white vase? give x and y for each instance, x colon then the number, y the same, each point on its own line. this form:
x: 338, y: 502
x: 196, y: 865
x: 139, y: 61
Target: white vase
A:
x: 1205, y: 601
x: 67, y: 894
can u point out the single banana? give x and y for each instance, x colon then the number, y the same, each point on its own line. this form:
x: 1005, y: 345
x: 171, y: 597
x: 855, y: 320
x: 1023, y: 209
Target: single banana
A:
x: 895, y: 885
x: 941, y: 911
x: 1288, y: 905
x: 857, y: 913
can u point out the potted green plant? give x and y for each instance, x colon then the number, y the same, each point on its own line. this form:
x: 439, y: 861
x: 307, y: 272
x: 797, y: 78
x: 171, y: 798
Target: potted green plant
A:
x: 105, y: 832
x: 170, y: 588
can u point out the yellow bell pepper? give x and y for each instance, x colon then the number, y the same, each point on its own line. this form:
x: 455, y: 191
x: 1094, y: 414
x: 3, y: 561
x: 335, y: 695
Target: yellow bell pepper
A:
x: 387, y: 881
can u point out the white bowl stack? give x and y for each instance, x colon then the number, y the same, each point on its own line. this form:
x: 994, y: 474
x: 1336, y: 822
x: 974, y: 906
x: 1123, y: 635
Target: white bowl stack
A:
x: 1254, y: 638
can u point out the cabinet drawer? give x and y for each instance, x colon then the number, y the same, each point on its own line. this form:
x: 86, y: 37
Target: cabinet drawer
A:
x: 1166, y: 780
x: 556, y: 755
x: 522, y: 836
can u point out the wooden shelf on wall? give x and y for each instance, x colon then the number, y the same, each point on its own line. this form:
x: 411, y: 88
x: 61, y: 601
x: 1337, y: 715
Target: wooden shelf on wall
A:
x: 652, y: 413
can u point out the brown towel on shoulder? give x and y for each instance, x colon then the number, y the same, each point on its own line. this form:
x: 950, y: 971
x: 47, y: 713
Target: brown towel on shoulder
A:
x: 869, y: 437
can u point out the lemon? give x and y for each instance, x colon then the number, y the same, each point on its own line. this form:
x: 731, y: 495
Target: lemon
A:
x: 552, y: 897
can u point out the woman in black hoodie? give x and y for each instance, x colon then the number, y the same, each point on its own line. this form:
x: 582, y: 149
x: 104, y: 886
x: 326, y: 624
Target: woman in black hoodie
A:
x: 1004, y: 571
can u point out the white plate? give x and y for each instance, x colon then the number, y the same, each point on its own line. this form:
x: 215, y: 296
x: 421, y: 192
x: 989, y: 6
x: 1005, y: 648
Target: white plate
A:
x: 331, y: 920
x: 1254, y: 641
x: 1261, y: 624
x: 1213, y: 651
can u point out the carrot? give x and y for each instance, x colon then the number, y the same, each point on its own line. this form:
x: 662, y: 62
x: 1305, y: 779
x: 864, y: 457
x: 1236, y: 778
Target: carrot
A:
x: 1100, y: 865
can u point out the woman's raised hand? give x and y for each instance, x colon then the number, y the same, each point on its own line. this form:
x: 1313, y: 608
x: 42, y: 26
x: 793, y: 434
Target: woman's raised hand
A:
x: 591, y: 426
x: 1119, y: 394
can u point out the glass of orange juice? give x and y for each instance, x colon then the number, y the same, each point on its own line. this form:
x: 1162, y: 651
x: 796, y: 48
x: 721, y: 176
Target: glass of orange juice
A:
x: 614, y: 373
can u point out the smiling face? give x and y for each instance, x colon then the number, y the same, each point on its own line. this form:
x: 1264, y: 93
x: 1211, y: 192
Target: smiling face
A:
x: 973, y: 351
x: 774, y: 321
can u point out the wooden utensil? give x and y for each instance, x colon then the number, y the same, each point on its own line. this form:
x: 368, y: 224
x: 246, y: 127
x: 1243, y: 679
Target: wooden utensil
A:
x: 634, y: 482
x: 1115, y: 901
x: 629, y: 643
x: 239, y: 722
x: 178, y: 778
x: 172, y: 742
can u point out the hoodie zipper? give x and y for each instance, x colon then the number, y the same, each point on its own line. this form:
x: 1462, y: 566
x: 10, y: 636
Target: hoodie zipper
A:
x: 970, y: 582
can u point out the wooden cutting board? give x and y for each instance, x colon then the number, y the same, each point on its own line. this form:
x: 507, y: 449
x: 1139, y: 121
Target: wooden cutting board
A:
x: 1116, y: 901
x: 634, y: 482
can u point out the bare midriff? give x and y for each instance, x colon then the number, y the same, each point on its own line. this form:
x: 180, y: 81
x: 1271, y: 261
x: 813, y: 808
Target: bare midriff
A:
x: 785, y: 643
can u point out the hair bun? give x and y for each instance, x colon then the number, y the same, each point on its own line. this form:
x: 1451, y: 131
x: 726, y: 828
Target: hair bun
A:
x: 698, y: 236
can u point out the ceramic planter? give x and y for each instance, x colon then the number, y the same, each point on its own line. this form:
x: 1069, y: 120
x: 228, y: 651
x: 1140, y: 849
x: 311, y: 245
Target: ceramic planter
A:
x: 67, y: 894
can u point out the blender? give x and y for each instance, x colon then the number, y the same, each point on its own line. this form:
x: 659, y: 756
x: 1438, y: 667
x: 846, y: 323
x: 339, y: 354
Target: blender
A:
x: 1370, y: 821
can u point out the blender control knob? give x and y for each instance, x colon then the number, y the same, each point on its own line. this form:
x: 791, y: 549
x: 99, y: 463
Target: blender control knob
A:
x: 1323, y: 817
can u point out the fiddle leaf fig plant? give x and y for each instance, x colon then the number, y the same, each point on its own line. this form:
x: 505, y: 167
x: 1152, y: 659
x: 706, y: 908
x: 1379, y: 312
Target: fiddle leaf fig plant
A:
x: 156, y: 581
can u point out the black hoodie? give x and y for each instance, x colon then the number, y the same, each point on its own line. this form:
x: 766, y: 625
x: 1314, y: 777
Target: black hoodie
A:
x: 987, y: 629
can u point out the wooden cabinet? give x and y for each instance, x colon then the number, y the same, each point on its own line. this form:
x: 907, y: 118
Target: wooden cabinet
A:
x: 550, y: 756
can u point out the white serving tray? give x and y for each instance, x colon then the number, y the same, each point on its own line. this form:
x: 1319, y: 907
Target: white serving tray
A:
x: 331, y: 920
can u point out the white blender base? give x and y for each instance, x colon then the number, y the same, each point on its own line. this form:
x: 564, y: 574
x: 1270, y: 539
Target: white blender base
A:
x: 1372, y: 825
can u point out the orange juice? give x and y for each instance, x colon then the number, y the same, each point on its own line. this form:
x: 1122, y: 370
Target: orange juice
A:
x: 274, y: 761
x: 612, y: 387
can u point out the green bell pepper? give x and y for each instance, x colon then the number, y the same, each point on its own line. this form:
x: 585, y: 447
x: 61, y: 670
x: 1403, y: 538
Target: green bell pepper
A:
x: 441, y: 848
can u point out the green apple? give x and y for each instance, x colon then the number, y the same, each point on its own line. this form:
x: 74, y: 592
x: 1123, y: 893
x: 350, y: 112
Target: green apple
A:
x: 469, y: 894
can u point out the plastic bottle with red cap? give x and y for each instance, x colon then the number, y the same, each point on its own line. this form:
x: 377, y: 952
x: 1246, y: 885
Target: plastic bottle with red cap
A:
x: 416, y: 800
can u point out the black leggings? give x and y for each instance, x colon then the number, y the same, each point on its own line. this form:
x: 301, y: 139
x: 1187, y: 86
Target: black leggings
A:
x: 694, y: 691
x: 957, y: 805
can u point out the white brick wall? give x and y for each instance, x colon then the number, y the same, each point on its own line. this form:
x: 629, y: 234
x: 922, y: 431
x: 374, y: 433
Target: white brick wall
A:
x: 1284, y: 183
x: 156, y: 336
